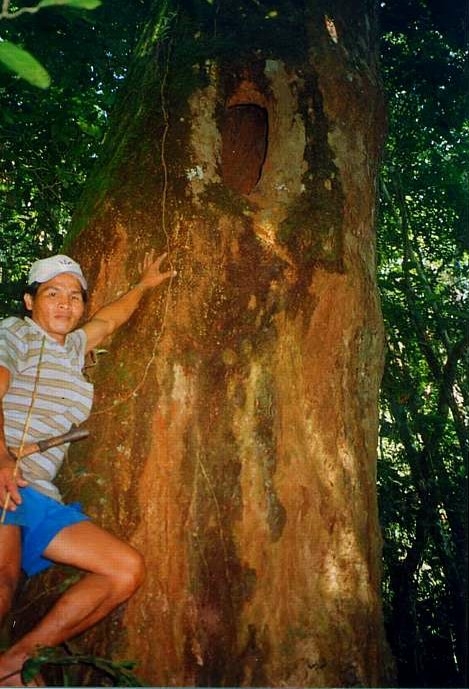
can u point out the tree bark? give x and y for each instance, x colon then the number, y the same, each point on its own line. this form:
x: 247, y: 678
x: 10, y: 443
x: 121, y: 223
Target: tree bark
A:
x: 235, y: 423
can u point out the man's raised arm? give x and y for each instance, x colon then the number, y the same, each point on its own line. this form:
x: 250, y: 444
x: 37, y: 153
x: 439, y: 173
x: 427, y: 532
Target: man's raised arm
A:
x: 113, y: 315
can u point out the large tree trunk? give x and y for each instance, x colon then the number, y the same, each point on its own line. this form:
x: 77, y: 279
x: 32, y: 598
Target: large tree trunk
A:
x: 235, y: 424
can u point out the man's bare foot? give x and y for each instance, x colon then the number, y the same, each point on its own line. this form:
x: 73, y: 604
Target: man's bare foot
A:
x: 11, y: 664
x: 15, y: 680
x: 10, y: 672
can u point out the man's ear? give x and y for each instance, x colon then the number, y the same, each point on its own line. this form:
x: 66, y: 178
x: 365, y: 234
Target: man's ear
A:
x: 28, y: 301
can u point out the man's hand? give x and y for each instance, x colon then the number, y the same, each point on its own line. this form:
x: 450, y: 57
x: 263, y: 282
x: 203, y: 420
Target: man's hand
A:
x: 118, y: 312
x: 10, y: 481
x: 151, y: 274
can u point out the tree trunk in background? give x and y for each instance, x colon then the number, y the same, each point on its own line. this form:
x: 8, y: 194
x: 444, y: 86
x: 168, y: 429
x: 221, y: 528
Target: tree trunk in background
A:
x: 234, y: 431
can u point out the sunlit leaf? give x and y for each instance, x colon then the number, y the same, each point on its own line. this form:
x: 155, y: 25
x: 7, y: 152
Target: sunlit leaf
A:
x: 24, y: 64
x: 90, y: 129
x: 78, y: 4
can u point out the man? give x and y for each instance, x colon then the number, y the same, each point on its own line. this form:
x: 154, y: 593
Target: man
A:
x: 42, y: 393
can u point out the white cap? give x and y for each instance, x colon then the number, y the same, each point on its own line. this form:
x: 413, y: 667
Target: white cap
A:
x: 47, y: 268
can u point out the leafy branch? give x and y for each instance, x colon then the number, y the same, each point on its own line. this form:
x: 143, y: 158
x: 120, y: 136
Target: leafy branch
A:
x: 19, y: 60
x: 78, y: 4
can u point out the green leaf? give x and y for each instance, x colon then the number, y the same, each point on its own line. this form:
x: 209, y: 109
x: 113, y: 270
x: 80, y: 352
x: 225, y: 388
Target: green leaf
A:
x: 90, y: 129
x: 79, y: 4
x: 31, y: 669
x: 24, y: 64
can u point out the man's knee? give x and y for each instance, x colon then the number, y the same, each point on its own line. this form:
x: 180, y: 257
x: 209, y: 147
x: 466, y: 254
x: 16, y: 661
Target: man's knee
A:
x: 130, y: 575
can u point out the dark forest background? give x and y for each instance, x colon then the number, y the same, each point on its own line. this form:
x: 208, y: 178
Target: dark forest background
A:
x: 49, y: 140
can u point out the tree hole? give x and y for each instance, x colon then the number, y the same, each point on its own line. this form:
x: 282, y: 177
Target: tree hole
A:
x: 244, y: 146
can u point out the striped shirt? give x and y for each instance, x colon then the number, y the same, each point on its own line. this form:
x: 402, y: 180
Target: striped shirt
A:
x: 63, y: 396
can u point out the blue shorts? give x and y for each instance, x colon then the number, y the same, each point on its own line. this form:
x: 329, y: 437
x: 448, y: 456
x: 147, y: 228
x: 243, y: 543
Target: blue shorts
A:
x: 40, y: 518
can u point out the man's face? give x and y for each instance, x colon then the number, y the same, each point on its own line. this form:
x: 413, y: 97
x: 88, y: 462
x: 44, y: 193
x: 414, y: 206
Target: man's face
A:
x: 57, y: 306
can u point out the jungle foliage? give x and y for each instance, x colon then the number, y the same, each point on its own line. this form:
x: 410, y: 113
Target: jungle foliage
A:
x: 424, y: 281
x: 49, y: 138
x: 49, y: 141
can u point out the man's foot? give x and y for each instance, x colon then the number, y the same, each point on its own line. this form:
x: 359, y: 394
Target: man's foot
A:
x: 14, y: 680
x: 11, y: 664
x: 10, y: 672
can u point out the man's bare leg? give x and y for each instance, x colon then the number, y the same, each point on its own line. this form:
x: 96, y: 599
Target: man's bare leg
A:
x: 10, y: 561
x: 10, y: 558
x: 115, y: 571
